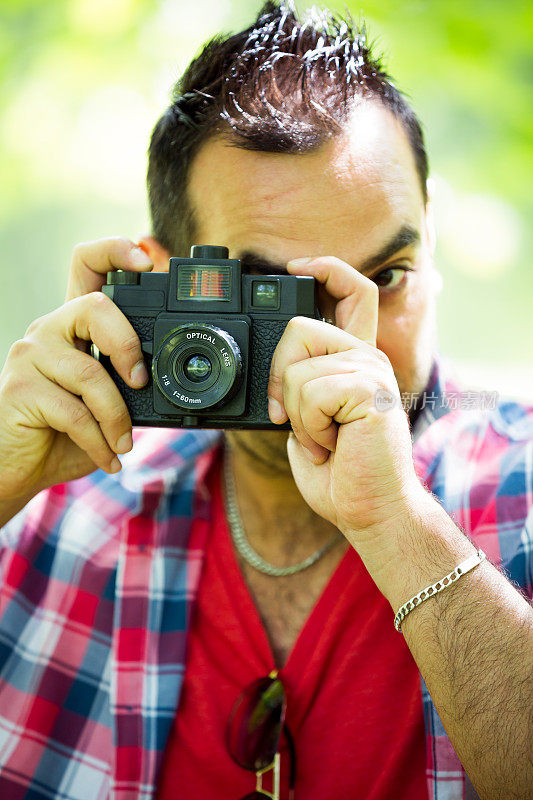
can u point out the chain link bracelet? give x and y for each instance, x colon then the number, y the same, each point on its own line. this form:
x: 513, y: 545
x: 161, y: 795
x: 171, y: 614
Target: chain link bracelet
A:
x: 435, y: 588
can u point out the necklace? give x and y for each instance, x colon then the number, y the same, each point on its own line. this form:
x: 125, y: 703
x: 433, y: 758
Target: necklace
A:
x: 241, y: 542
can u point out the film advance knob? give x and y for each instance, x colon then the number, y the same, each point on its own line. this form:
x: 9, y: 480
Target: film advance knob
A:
x: 209, y: 251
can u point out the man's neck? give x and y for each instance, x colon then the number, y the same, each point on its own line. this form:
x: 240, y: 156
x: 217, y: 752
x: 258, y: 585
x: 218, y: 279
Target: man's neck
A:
x: 275, y: 516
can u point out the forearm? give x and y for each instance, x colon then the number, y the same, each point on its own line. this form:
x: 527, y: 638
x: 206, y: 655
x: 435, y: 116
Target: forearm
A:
x: 473, y: 644
x: 474, y: 648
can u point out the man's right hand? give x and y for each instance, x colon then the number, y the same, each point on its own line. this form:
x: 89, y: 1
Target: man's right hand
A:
x: 61, y: 415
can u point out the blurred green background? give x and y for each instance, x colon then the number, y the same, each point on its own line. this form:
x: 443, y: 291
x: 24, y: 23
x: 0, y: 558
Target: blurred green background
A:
x: 83, y: 82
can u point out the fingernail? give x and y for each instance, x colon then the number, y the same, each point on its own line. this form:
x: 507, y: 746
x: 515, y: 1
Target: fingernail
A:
x: 125, y: 443
x: 139, y: 374
x: 139, y: 258
x: 300, y: 262
x: 275, y: 410
x: 115, y: 465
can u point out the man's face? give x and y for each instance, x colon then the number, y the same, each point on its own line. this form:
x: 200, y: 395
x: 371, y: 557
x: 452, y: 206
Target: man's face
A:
x: 358, y: 198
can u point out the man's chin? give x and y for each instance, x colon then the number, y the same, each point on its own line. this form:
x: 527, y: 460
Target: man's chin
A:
x: 266, y: 450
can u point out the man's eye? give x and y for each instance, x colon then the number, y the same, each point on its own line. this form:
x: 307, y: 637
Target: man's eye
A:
x: 391, y: 278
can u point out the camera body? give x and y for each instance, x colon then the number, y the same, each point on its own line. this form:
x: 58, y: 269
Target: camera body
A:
x: 208, y: 333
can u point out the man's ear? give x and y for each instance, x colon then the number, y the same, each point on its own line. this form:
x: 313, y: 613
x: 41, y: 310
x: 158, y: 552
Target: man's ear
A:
x: 159, y: 254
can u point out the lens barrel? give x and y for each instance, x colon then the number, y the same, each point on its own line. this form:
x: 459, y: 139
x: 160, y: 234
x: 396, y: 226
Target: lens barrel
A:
x: 197, y: 366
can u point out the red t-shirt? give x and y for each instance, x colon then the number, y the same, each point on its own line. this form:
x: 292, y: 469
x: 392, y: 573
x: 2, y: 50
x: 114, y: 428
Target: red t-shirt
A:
x: 354, y: 705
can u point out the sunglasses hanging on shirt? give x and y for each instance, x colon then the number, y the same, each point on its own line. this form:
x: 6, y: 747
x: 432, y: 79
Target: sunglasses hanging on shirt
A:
x: 253, y: 733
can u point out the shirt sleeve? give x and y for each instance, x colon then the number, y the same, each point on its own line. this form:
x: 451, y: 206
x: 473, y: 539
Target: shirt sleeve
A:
x: 479, y: 466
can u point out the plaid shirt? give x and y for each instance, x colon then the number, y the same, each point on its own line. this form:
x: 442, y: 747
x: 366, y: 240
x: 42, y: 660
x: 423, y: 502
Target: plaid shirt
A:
x: 98, y: 584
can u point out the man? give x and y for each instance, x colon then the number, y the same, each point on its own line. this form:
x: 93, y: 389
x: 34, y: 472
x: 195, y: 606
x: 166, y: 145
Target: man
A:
x: 287, y: 143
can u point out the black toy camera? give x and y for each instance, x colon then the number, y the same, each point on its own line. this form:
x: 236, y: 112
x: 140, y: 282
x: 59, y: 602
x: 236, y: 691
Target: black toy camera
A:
x: 210, y: 333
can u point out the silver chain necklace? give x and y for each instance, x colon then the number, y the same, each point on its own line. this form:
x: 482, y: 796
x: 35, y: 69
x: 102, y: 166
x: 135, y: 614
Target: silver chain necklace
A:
x: 241, y: 542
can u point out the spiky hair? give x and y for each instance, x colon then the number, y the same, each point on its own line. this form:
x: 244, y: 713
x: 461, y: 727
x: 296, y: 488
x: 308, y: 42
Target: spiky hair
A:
x: 283, y: 85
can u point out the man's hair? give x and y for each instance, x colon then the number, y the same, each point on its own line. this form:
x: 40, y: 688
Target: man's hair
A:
x: 283, y: 85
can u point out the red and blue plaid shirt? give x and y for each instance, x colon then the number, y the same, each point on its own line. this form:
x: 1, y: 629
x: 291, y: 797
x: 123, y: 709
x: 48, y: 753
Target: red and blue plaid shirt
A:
x: 98, y: 583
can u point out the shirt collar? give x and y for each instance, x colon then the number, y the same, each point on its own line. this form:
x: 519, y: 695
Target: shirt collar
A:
x: 433, y: 402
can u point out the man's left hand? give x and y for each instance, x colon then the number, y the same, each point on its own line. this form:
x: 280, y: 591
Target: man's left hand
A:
x: 351, y: 461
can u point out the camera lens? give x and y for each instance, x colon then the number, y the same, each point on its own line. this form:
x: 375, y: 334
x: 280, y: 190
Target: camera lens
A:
x: 197, y: 368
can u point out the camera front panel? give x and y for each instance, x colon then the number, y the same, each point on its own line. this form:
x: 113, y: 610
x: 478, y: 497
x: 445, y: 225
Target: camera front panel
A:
x: 208, y: 334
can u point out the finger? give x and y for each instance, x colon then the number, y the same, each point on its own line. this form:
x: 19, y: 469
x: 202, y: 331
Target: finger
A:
x: 306, y: 338
x: 58, y: 409
x: 333, y: 400
x: 84, y: 376
x: 357, y: 296
x: 323, y: 441
x: 298, y: 380
x: 94, y: 317
x: 305, y: 473
x: 91, y: 261
x: 320, y: 388
x: 316, y: 422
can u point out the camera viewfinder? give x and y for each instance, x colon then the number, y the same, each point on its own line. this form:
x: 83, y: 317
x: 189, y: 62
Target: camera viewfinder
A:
x: 265, y: 294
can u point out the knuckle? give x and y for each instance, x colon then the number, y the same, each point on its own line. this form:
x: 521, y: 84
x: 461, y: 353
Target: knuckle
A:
x: 371, y: 287
x: 79, y: 254
x: 307, y: 393
x: 130, y: 345
x: 275, y: 380
x: 95, y: 300
x: 67, y: 362
x: 291, y: 374
x: 286, y: 380
x: 19, y: 349
x: 121, y: 244
x: 294, y: 324
x: 117, y: 415
x: 79, y: 415
x: 78, y: 249
x: 91, y: 372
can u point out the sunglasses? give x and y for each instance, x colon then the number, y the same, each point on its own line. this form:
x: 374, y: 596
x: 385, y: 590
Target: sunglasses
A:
x: 254, y: 731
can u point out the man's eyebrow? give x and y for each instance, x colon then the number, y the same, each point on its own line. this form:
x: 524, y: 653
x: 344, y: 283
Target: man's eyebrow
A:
x: 406, y: 235
x: 252, y: 261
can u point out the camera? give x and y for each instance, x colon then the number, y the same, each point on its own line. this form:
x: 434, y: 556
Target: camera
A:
x: 208, y: 332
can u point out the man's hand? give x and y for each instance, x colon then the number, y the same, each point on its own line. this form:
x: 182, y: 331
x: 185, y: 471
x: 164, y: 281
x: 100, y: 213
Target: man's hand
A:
x: 472, y: 643
x: 61, y: 415
x: 352, y: 462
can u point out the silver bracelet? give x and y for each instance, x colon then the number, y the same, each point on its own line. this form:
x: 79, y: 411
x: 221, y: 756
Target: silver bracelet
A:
x: 435, y: 588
